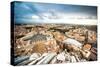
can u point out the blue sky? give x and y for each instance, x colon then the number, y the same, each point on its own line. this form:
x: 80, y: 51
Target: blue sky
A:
x: 32, y: 12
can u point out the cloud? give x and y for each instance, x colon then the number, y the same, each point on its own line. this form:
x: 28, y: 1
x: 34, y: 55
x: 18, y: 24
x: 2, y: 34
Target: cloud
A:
x: 54, y: 15
x: 58, y: 17
x: 47, y: 13
x: 35, y: 17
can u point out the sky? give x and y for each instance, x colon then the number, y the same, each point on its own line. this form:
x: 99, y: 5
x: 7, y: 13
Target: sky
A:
x: 32, y: 12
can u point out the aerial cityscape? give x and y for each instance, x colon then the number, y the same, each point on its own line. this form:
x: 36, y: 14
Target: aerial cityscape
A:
x: 49, y: 33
